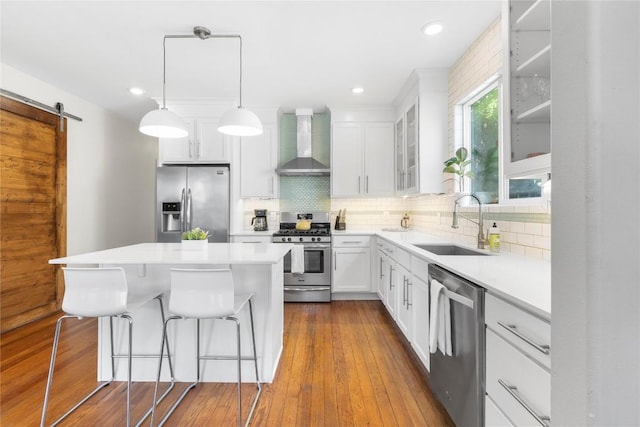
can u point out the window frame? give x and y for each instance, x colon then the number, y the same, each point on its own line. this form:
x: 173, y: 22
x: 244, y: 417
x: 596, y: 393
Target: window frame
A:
x: 495, y: 82
x: 462, y: 117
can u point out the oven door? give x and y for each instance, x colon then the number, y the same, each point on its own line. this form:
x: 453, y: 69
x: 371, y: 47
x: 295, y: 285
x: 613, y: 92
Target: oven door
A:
x: 317, y: 267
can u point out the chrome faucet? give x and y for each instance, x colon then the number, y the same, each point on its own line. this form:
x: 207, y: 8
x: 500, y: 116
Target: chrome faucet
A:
x: 481, y: 238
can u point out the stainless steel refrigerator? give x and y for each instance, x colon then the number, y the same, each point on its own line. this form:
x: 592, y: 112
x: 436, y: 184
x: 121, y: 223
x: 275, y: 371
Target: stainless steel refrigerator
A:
x: 192, y: 196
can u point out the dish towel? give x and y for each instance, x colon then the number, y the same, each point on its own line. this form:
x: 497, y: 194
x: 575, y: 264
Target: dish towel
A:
x: 440, y: 320
x: 297, y: 259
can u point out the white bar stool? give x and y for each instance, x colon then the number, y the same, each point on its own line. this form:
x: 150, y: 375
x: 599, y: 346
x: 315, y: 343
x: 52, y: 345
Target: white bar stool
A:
x: 101, y: 292
x: 208, y: 294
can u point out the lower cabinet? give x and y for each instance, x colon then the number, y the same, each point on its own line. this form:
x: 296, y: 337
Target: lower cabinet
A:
x: 351, y: 264
x: 518, y: 379
x: 420, y: 302
x: 404, y: 316
x: 251, y: 239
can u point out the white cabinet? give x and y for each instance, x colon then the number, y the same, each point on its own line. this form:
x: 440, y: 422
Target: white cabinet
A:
x: 257, y: 239
x: 421, y: 131
x: 406, y: 143
x: 351, y: 263
x: 404, y: 288
x: 382, y: 269
x: 204, y: 144
x: 258, y: 161
x: 518, y: 379
x: 527, y: 147
x: 361, y: 159
x: 420, y: 308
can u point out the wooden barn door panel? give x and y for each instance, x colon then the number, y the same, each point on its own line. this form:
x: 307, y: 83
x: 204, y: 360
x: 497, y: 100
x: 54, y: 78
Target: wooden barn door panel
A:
x: 32, y: 213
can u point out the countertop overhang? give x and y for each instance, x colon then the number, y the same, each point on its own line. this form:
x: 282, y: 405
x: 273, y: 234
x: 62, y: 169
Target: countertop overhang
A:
x: 172, y: 253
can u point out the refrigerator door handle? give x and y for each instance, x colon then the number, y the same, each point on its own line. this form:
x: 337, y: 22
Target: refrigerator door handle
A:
x: 182, y: 213
x: 189, y: 207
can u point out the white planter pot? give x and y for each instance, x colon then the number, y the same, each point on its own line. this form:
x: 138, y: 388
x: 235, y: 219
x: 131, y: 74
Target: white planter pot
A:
x: 195, y: 245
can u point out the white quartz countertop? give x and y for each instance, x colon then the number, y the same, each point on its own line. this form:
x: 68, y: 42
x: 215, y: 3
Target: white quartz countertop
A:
x: 172, y: 253
x: 521, y: 280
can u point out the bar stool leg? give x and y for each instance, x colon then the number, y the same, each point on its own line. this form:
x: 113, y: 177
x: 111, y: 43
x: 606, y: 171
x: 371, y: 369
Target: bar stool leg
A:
x: 54, y: 352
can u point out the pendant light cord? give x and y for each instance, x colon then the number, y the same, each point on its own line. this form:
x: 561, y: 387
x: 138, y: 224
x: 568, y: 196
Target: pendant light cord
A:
x: 164, y: 72
x: 203, y: 34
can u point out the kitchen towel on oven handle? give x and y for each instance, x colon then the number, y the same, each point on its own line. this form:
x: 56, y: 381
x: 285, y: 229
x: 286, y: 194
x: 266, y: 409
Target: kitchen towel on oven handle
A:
x: 297, y: 259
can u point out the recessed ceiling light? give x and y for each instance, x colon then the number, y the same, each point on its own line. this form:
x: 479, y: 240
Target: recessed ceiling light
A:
x: 357, y: 90
x: 136, y: 91
x: 432, y: 28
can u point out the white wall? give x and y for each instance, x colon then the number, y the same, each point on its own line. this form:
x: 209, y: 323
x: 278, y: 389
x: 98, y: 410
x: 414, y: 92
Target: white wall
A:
x: 595, y: 128
x: 110, y: 170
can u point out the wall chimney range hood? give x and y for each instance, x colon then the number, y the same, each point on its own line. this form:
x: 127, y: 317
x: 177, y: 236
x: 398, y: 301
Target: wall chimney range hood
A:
x: 304, y: 164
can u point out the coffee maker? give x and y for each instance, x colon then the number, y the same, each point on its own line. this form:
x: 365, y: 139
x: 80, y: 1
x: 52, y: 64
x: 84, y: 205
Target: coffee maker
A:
x: 259, y: 221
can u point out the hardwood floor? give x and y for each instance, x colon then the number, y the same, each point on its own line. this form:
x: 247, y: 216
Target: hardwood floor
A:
x: 343, y: 364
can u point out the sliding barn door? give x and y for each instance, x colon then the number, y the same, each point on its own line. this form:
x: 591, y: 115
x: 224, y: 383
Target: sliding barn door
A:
x: 32, y: 213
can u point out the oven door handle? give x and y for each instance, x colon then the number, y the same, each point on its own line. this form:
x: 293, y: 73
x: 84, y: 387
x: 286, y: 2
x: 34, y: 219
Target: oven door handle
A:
x: 307, y: 289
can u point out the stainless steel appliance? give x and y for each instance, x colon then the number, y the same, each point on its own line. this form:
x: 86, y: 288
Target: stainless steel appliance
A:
x: 314, y: 284
x: 189, y: 197
x: 458, y: 380
x: 259, y: 221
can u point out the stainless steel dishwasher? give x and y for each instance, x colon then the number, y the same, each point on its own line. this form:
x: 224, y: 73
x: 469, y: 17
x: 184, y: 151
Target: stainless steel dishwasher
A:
x: 458, y: 380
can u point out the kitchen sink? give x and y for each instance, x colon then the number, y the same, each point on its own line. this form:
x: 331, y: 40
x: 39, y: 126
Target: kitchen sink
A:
x: 445, y: 249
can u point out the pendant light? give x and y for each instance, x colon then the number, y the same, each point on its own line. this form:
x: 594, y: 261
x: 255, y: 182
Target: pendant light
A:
x: 239, y: 121
x: 163, y: 123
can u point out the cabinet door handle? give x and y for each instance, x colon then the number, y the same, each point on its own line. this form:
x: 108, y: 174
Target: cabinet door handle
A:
x: 366, y: 183
x: 359, y: 185
x: 335, y: 261
x: 543, y: 348
x: 381, y: 271
x: 409, y: 303
x: 190, y: 150
x: 404, y: 290
x: 513, y: 391
x: 272, y: 186
x: 390, y: 278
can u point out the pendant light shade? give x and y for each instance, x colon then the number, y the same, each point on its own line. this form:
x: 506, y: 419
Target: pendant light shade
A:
x: 163, y: 123
x: 240, y: 122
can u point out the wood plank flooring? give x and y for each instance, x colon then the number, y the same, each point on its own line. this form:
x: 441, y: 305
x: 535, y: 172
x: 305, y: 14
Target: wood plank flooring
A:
x: 343, y: 364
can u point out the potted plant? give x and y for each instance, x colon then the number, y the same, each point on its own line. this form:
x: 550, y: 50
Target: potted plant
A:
x: 195, y: 239
x: 458, y: 165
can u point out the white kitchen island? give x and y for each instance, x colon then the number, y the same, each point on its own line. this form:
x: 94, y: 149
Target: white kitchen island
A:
x: 256, y: 268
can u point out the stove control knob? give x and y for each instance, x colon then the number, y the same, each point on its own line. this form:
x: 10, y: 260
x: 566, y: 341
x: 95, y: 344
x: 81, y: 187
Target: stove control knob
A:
x: 288, y: 239
x: 301, y: 239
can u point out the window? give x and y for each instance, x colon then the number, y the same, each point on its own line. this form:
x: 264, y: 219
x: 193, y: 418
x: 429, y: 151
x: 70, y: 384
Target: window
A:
x: 482, y: 138
x: 480, y: 117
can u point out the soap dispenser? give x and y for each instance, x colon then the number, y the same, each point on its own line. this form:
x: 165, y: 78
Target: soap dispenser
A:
x: 494, y: 238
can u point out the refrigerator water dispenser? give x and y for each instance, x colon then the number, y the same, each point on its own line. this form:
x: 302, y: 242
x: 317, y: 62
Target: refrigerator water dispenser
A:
x: 171, y: 216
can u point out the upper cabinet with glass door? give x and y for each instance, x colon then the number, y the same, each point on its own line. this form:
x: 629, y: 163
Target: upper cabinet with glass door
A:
x: 527, y: 63
x: 421, y: 132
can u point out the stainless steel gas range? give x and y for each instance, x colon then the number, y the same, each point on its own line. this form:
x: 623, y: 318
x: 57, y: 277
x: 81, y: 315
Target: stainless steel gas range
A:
x: 314, y: 284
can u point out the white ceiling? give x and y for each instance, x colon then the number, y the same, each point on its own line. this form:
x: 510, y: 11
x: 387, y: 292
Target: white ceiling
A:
x: 295, y: 53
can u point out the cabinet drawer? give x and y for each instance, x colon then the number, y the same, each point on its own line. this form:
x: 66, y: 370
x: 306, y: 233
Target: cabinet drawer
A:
x: 419, y: 268
x: 530, y: 334
x: 251, y: 239
x: 351, y: 241
x: 403, y: 257
x: 518, y: 386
